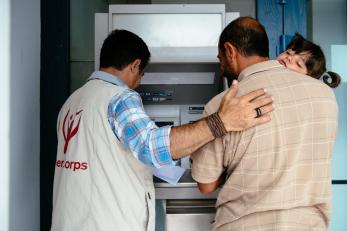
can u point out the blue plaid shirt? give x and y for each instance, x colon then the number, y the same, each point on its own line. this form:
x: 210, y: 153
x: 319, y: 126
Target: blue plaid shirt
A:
x: 132, y: 126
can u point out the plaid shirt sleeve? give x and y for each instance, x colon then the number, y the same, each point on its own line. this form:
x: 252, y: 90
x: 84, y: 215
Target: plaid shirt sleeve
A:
x: 132, y: 126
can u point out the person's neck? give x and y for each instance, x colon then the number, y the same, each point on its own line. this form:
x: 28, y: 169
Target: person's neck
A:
x: 115, y: 72
x: 112, y: 71
x: 249, y: 61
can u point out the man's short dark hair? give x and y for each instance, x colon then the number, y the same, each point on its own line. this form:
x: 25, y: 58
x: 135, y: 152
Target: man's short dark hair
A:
x: 121, y: 48
x: 247, y: 35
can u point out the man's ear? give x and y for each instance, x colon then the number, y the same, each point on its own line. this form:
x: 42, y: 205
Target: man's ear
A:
x: 230, y: 51
x: 135, y: 65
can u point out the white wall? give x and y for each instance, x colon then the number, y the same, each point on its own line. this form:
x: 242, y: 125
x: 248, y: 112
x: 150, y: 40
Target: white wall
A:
x: 25, y: 116
x: 5, y: 111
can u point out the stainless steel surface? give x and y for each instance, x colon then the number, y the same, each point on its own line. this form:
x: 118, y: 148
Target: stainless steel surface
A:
x: 190, y: 206
x: 182, y: 193
x: 185, y: 181
x: 186, y: 188
x: 189, y: 222
x: 189, y: 215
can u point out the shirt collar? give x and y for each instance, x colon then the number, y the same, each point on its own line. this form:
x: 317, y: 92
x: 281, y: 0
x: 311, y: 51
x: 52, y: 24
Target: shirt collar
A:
x: 107, y: 77
x: 259, y: 67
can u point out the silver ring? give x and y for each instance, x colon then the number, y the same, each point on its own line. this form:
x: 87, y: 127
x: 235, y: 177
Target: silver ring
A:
x: 258, y: 111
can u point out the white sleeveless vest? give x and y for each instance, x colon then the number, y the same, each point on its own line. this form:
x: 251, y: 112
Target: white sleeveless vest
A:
x: 98, y: 184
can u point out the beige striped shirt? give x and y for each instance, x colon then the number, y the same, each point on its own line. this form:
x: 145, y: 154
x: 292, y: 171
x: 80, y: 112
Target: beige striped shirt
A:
x: 278, y: 173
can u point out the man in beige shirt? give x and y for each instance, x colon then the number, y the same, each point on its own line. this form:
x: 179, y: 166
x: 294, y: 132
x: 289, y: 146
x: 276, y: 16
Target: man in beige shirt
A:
x: 277, y: 174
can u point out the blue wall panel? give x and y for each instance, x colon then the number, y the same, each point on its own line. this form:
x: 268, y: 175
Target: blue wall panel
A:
x: 295, y: 15
x: 282, y: 19
x: 269, y: 13
x: 340, y: 150
x: 339, y: 212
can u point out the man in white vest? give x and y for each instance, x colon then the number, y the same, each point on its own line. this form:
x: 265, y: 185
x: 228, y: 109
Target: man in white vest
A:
x: 106, y: 142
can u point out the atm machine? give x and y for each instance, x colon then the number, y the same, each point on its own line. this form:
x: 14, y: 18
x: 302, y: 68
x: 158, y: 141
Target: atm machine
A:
x: 183, y: 75
x: 181, y: 206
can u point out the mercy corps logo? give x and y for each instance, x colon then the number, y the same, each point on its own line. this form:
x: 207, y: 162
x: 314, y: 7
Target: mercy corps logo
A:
x: 69, y: 130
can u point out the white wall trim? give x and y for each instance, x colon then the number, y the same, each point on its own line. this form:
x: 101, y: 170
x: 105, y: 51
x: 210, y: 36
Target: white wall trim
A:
x: 5, y: 111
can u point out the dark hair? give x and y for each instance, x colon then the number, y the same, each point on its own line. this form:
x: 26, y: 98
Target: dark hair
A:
x: 316, y: 65
x: 332, y: 79
x: 247, y: 35
x: 121, y: 48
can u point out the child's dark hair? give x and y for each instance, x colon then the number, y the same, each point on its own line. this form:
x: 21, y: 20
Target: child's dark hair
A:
x: 316, y: 65
x: 332, y: 79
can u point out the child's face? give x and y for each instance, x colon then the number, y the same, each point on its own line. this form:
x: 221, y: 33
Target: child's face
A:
x: 294, y: 62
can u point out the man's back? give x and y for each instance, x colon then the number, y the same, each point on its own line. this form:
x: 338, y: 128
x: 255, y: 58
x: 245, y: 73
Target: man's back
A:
x: 98, y: 184
x: 279, y: 172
